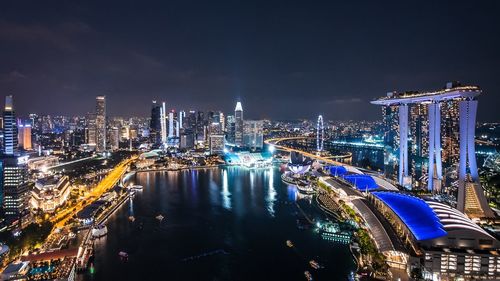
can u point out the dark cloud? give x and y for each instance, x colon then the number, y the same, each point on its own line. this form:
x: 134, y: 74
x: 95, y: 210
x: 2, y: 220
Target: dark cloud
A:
x: 283, y: 59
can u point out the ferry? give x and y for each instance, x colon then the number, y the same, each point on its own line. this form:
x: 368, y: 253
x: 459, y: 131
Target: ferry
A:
x: 99, y: 231
x: 289, y: 243
x: 314, y: 264
x: 308, y: 275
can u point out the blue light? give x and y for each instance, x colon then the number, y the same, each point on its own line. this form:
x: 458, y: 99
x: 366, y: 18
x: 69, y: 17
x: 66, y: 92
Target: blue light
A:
x: 415, y: 213
x: 337, y: 170
x: 362, y: 182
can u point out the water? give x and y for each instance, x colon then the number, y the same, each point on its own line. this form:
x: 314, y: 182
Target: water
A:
x: 220, y: 224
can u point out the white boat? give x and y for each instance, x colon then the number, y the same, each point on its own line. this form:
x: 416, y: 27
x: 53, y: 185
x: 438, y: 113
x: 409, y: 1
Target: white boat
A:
x: 160, y: 217
x: 99, y: 231
x: 123, y: 255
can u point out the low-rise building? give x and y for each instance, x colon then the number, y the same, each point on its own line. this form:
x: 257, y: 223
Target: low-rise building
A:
x: 50, y: 193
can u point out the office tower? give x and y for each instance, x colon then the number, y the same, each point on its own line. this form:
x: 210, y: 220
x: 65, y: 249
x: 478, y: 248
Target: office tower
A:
x: 253, y: 136
x: 171, y: 124
x: 163, y: 123
x: 100, y: 123
x: 230, y: 130
x: 222, y: 121
x: 114, y: 138
x: 186, y: 139
x: 190, y: 121
x: 90, y: 129
x: 182, y: 117
x: 238, y: 124
x: 155, y: 123
x: 24, y: 137
x: 15, y: 188
x: 216, y: 144
x: 9, y: 127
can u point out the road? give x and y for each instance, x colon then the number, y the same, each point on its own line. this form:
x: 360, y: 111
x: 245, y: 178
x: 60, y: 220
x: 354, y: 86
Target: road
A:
x: 275, y: 142
x: 106, y: 184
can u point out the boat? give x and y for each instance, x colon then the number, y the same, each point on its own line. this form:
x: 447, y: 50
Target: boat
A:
x: 131, y: 218
x: 99, y: 231
x: 308, y: 275
x: 314, y: 264
x: 136, y: 187
x: 123, y: 255
x: 160, y: 217
x: 289, y: 243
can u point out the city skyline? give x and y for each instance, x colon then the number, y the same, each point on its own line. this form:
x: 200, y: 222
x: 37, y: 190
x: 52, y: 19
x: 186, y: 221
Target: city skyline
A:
x: 76, y: 53
x: 249, y: 140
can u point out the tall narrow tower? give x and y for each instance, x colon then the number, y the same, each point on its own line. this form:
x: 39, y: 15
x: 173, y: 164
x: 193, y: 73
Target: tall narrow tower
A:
x: 100, y: 123
x: 163, y: 123
x: 10, y: 141
x: 238, y: 124
x: 470, y: 199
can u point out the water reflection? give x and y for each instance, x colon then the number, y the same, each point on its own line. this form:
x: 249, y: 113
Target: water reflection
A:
x: 226, y: 195
x: 271, y: 192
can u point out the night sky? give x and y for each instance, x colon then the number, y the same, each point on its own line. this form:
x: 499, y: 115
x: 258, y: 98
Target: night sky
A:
x: 283, y: 59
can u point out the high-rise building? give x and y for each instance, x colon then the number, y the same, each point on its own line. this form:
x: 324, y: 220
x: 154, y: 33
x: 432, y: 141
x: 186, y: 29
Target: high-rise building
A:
x: 253, y: 136
x: 230, y: 129
x: 216, y: 144
x: 100, y: 123
x: 9, y: 128
x: 163, y: 123
x: 90, y: 129
x: 114, y: 138
x: 390, y: 129
x: 419, y: 144
x: 238, y: 124
x: 24, y: 137
x: 155, y: 123
x: 171, y: 124
x: 15, y: 188
x: 222, y: 121
x: 182, y: 117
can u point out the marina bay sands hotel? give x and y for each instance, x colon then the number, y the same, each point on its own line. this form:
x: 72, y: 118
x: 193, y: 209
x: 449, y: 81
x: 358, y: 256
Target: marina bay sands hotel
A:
x: 409, y: 111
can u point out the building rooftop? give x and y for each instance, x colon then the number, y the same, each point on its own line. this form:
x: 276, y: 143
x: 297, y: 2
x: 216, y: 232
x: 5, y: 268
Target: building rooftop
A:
x: 449, y: 93
x: 415, y: 213
x: 362, y: 182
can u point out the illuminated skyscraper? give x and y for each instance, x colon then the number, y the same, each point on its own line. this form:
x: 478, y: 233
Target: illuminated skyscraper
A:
x: 9, y: 127
x: 155, y: 123
x: 90, y: 130
x: 230, y: 130
x: 238, y: 124
x: 15, y: 188
x: 253, y: 137
x: 390, y: 119
x: 24, y: 136
x: 100, y: 123
x: 163, y: 123
x: 182, y: 117
x: 171, y: 124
